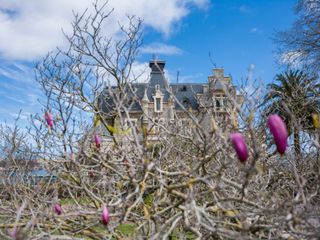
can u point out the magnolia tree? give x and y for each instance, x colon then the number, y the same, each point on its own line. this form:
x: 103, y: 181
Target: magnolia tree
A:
x: 190, y: 184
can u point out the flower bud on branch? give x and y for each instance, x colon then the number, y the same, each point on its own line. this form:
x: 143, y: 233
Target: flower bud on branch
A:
x: 240, y: 146
x: 279, y: 131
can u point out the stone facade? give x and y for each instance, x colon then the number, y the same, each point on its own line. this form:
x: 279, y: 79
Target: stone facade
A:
x: 158, y: 102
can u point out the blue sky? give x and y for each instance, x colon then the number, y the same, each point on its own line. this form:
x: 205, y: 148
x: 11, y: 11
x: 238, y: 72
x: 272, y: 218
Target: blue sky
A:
x: 238, y: 34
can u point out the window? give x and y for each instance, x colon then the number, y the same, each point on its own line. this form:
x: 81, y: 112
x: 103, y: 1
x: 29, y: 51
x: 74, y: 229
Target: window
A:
x: 218, y: 104
x: 158, y: 104
x: 225, y: 103
x: 183, y: 88
x: 130, y: 124
x: 205, y: 88
x: 158, y: 98
x: 185, y: 125
x: 156, y: 128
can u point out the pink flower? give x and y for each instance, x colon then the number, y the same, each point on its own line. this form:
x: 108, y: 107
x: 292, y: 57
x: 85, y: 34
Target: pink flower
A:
x: 97, y: 140
x: 49, y: 119
x: 58, y: 209
x: 14, y: 234
x: 105, y: 215
x: 279, y: 131
x: 240, y: 146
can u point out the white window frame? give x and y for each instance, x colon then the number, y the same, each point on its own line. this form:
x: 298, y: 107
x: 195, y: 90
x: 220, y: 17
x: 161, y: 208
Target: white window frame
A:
x: 158, y: 95
x: 155, y: 103
x: 224, y: 101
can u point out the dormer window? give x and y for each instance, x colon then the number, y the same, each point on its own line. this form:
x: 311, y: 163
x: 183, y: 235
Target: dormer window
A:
x: 225, y: 103
x: 183, y: 88
x: 158, y: 105
x: 186, y: 103
x: 158, y: 99
x: 218, y: 104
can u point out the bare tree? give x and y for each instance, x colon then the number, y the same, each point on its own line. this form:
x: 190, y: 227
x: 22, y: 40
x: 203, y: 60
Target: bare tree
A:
x: 300, y: 45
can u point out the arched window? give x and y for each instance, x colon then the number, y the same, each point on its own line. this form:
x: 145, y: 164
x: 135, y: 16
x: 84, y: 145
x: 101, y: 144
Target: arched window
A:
x: 186, y: 102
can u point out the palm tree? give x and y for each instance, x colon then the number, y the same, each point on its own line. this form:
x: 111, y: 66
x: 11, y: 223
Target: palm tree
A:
x: 295, y: 97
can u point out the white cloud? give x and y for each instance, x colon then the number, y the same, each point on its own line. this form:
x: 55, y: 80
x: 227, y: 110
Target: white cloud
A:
x: 15, y: 99
x: 140, y: 72
x: 312, y: 6
x: 161, y: 48
x: 253, y: 29
x: 22, y: 115
x: 250, y: 87
x: 29, y: 29
x: 244, y: 9
x: 33, y: 98
x: 16, y: 71
x: 198, y: 77
x: 292, y: 58
x: 256, y: 30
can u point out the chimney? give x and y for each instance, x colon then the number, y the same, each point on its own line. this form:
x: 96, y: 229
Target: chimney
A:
x: 218, y: 73
x: 157, y: 66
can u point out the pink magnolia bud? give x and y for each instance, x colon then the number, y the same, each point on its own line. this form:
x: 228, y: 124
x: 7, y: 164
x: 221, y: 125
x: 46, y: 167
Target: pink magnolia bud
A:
x: 105, y: 215
x: 97, y: 140
x: 14, y: 234
x: 279, y: 131
x: 240, y: 146
x: 91, y: 174
x: 58, y: 209
x: 49, y: 119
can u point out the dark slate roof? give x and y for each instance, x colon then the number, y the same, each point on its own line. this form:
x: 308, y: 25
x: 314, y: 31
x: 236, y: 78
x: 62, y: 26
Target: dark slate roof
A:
x: 106, y: 101
x: 157, y: 74
x: 218, y: 85
x: 184, y: 92
x: 40, y: 173
x: 157, y: 78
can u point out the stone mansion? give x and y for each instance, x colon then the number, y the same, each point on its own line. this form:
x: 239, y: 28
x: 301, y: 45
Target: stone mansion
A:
x: 158, y: 102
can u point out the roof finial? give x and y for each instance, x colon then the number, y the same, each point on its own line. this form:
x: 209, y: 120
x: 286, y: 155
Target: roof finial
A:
x: 178, y: 73
x: 145, y: 96
x: 154, y: 57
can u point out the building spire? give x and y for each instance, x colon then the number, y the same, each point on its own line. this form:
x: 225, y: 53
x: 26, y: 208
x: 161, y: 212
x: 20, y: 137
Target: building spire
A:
x: 154, y: 57
x: 145, y: 95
